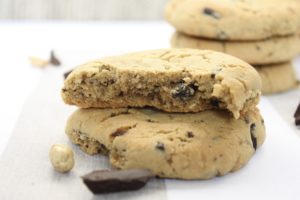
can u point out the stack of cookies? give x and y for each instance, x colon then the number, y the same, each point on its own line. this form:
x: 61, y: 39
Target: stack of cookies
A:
x: 263, y: 33
x: 180, y: 113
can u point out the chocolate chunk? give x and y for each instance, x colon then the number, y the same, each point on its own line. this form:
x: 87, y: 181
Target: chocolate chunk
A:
x: 107, y: 181
x: 297, y: 113
x: 252, y: 133
x: 183, y: 91
x: 150, y: 120
x: 190, y: 134
x: 215, y: 103
x: 160, y: 146
x: 213, y: 76
x: 297, y: 121
x: 66, y: 74
x: 297, y: 116
x: 210, y: 12
x: 120, y: 131
x: 54, y: 60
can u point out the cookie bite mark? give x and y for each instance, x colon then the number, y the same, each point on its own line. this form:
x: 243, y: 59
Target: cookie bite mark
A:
x: 195, y: 77
x: 87, y: 144
x: 253, y: 137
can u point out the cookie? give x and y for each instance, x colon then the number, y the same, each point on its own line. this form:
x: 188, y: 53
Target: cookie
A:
x: 171, y: 145
x: 277, y: 78
x: 234, y: 19
x: 173, y: 80
x: 268, y: 51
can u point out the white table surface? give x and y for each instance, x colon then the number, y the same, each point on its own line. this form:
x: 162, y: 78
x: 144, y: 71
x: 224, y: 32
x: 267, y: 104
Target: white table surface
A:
x: 19, y: 40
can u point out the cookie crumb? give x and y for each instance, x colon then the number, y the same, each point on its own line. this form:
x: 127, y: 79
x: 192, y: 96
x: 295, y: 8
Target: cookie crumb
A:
x: 38, y: 62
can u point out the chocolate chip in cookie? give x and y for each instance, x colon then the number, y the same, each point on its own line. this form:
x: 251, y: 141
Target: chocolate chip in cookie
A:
x: 183, y: 91
x: 215, y: 103
x: 297, y: 116
x: 212, y: 13
x: 252, y: 133
x: 160, y: 146
x: 190, y: 134
x: 120, y: 131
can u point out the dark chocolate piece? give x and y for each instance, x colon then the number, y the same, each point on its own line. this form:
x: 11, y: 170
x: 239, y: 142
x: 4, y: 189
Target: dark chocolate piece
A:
x: 215, y: 103
x: 297, y: 121
x: 253, y: 138
x: 120, y: 131
x: 183, y: 91
x: 160, y: 146
x: 107, y: 181
x: 66, y: 74
x: 297, y: 113
x: 210, y: 12
x: 54, y: 60
x: 151, y: 120
x: 297, y: 116
x: 190, y: 134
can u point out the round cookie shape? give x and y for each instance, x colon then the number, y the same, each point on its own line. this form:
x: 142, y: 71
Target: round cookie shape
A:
x: 277, y: 78
x: 260, y: 52
x: 173, y: 80
x: 234, y: 19
x: 186, y: 146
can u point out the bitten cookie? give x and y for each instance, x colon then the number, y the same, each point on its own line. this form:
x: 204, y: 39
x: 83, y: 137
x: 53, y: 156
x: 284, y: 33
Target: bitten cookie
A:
x: 173, y: 80
x: 187, y: 146
x: 277, y: 78
x: 235, y: 19
x: 268, y: 51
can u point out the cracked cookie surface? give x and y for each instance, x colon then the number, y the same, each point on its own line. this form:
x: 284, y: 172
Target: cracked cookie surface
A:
x: 173, y: 80
x: 186, y: 146
x: 268, y: 51
x: 235, y: 19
